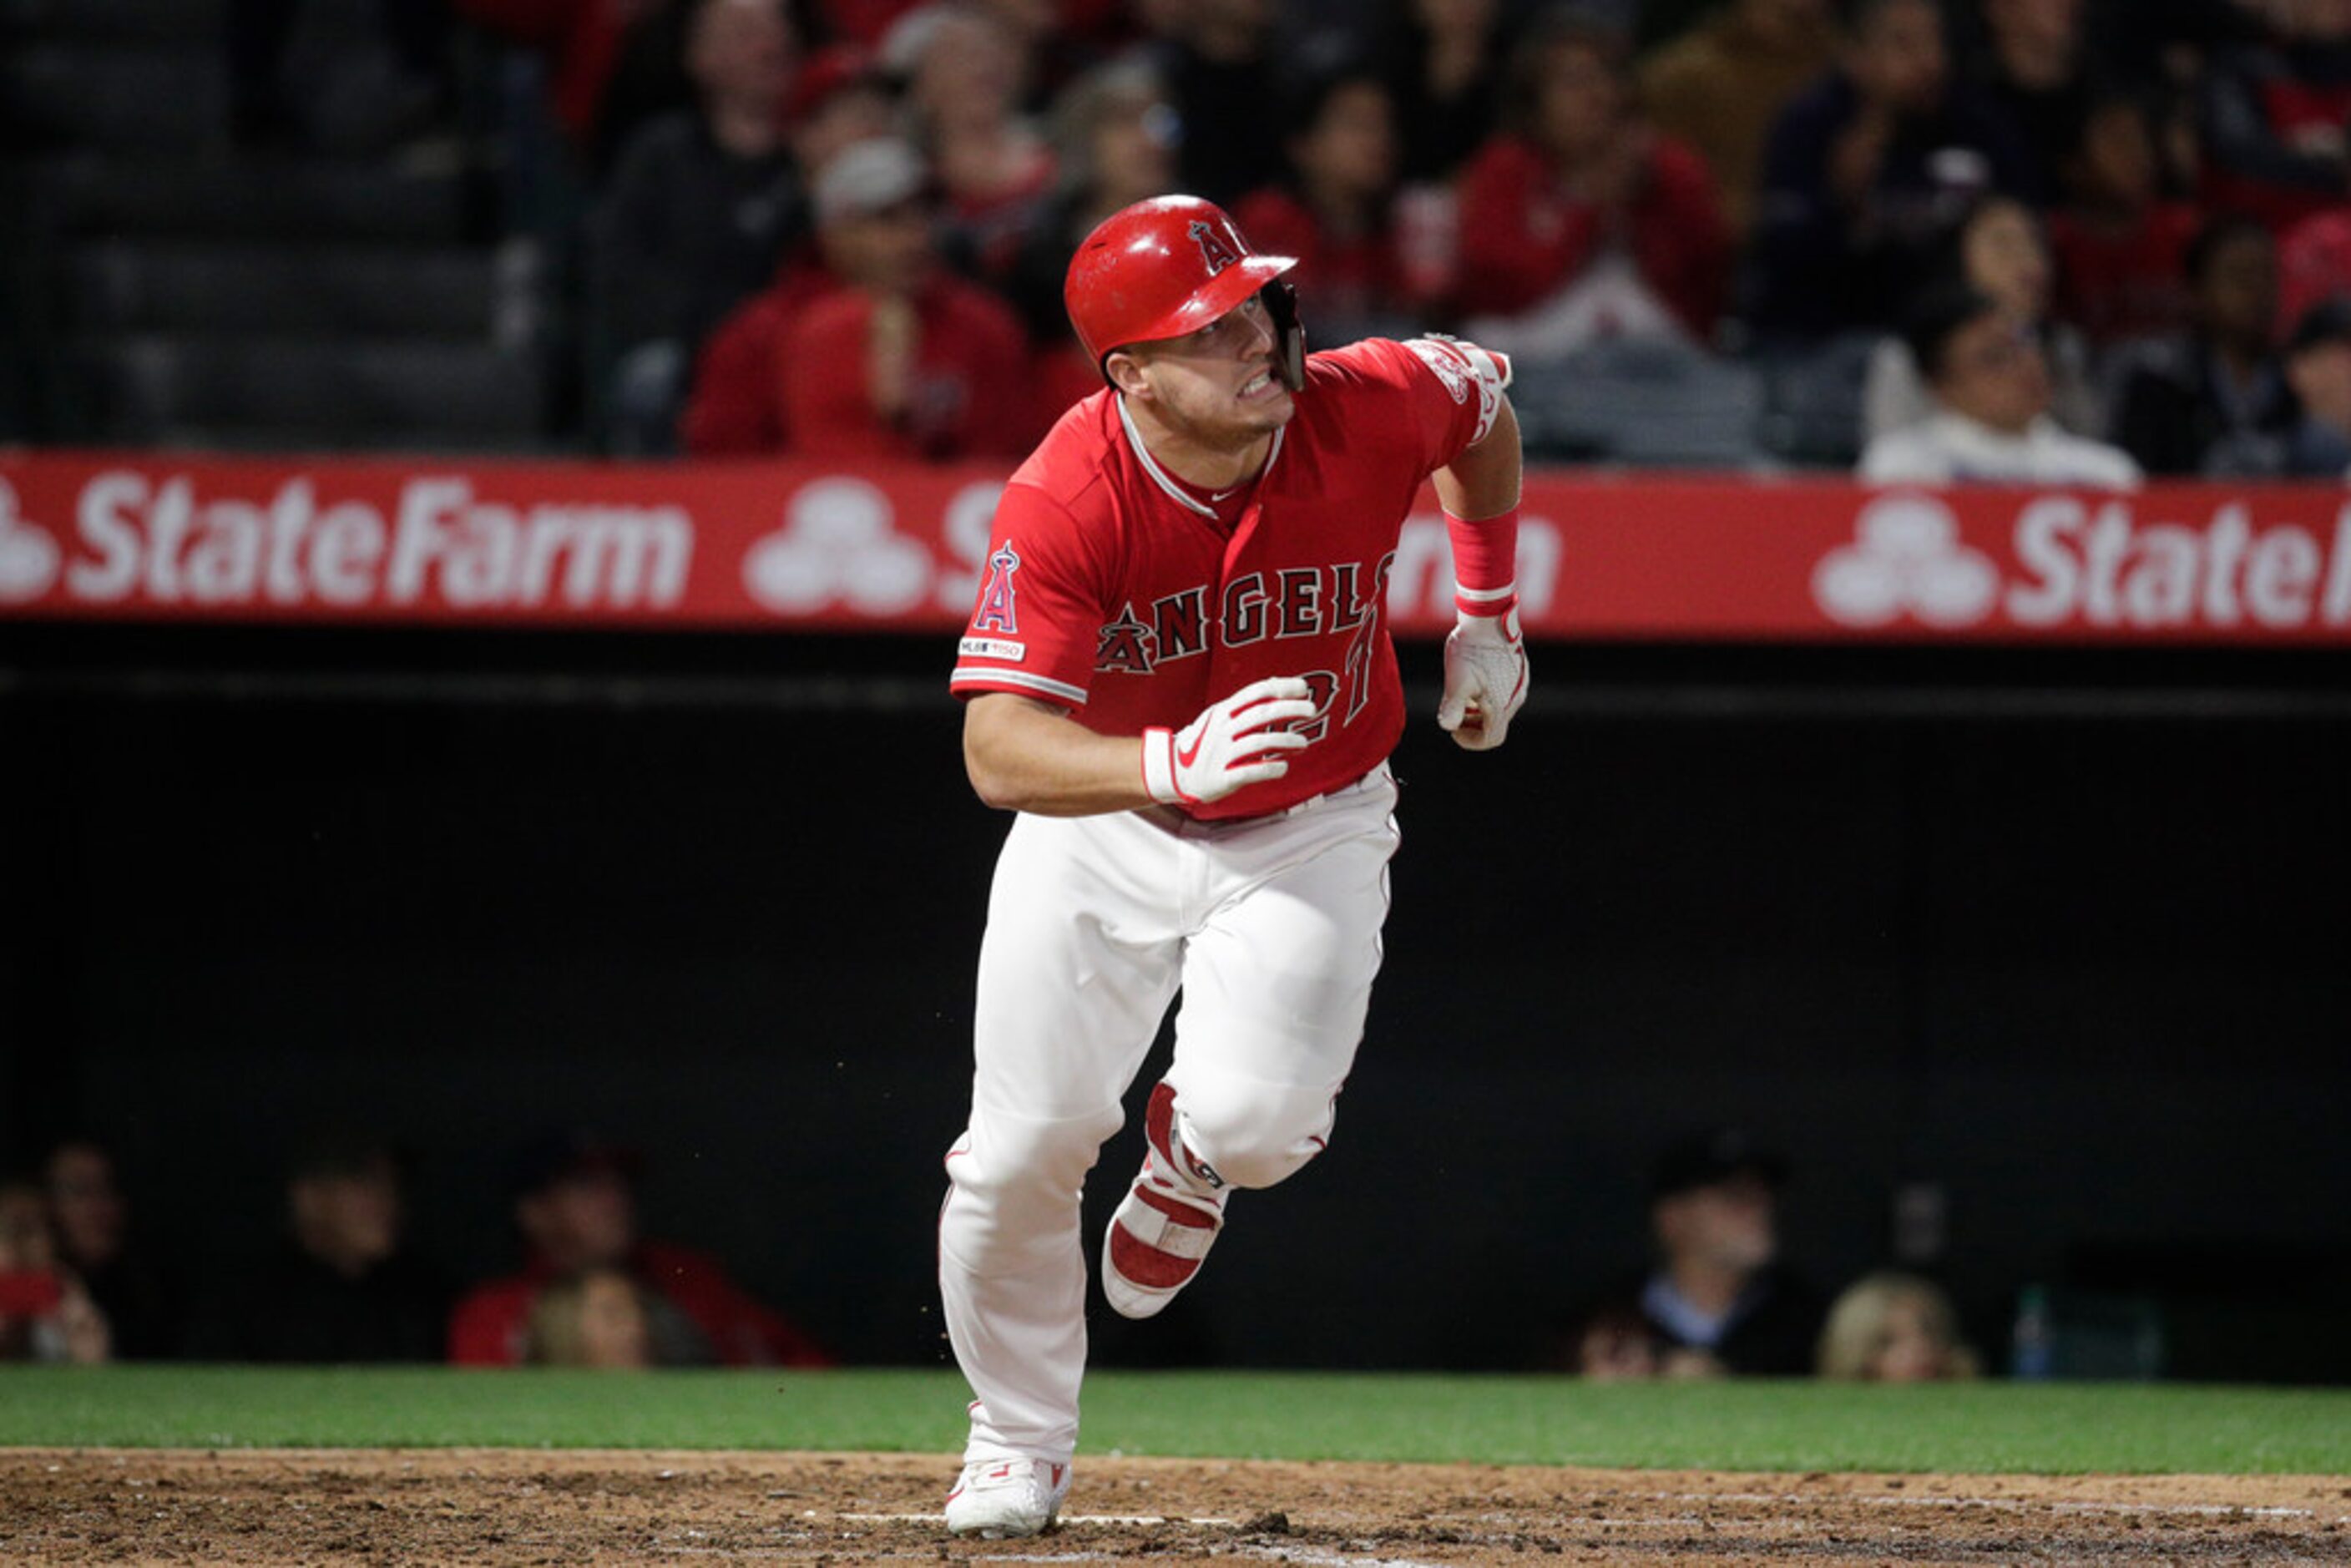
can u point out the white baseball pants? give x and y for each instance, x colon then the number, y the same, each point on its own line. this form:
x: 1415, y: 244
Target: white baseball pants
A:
x: 1271, y: 927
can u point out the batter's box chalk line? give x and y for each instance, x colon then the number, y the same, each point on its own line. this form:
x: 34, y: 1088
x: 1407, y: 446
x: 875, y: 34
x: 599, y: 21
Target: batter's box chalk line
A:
x: 1129, y: 1519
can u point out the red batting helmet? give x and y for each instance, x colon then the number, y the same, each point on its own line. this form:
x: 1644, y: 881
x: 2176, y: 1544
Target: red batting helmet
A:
x: 1167, y: 267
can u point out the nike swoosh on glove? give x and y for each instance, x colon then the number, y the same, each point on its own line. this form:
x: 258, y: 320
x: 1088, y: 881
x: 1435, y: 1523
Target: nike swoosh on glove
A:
x: 1485, y: 679
x: 1233, y: 743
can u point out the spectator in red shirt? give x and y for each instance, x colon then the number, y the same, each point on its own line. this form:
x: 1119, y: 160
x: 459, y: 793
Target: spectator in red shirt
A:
x: 733, y: 406
x: 736, y: 408
x: 2313, y: 263
x: 98, y: 1242
x: 598, y: 1317
x: 1579, y: 221
x: 575, y: 1204
x: 883, y: 357
x: 2277, y: 117
x: 1333, y: 211
x: 2120, y: 244
x: 46, y: 1314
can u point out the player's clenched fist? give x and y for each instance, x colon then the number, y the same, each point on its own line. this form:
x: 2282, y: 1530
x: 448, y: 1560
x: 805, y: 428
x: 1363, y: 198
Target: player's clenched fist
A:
x: 1232, y: 743
x: 1485, y: 679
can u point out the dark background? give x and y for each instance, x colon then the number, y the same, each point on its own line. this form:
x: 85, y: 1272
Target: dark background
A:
x: 2057, y: 935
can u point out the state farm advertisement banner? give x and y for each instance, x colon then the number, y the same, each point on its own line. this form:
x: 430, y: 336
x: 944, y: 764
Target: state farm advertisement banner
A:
x: 799, y: 546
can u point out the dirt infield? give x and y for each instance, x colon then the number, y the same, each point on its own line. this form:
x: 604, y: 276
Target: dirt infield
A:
x: 500, y: 1508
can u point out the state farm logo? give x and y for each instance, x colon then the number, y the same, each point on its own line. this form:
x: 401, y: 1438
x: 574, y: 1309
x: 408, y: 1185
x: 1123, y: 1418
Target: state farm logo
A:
x: 29, y: 558
x: 163, y: 540
x: 837, y: 545
x: 1907, y: 558
x: 2077, y: 564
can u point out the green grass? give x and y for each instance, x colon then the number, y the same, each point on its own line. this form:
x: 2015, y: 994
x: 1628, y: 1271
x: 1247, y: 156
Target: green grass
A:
x: 1984, y: 1427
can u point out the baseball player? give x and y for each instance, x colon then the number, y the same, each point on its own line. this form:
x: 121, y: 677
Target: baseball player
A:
x: 1178, y: 673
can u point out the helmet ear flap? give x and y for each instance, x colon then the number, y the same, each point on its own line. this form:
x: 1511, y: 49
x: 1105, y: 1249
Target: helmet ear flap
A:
x: 1281, y: 304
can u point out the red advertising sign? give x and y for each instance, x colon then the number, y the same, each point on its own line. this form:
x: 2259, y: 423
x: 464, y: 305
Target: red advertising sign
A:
x: 796, y: 545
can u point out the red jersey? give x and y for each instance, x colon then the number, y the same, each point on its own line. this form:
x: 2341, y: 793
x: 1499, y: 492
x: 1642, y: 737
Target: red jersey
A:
x: 2117, y: 281
x: 1350, y: 279
x: 968, y: 342
x: 1524, y: 236
x: 736, y: 406
x: 1114, y: 590
x: 490, y: 1326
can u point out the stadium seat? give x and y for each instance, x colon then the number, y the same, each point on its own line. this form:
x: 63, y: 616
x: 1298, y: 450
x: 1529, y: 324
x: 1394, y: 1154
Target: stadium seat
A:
x: 365, y: 291
x: 1640, y: 403
x: 341, y: 393
x: 1812, y: 400
x: 117, y: 100
x: 345, y: 297
x: 257, y: 200
x: 197, y: 24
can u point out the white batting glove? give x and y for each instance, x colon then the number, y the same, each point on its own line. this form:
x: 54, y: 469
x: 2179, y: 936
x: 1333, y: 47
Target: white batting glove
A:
x: 1485, y: 679
x: 1231, y: 744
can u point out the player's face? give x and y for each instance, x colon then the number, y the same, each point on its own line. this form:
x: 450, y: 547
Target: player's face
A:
x: 1220, y: 385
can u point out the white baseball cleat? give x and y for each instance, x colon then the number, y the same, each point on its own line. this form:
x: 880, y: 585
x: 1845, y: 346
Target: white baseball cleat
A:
x: 999, y: 1498
x: 1155, y: 1241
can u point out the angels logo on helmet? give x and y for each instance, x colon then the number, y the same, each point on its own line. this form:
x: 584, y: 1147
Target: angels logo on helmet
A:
x: 1216, y: 251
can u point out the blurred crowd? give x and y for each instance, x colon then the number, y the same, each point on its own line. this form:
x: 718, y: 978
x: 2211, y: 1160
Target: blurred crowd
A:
x: 342, y: 1283
x: 1717, y: 1300
x: 2052, y: 240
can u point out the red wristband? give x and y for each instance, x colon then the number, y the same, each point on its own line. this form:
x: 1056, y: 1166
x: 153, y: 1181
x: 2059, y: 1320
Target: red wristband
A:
x: 1485, y: 562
